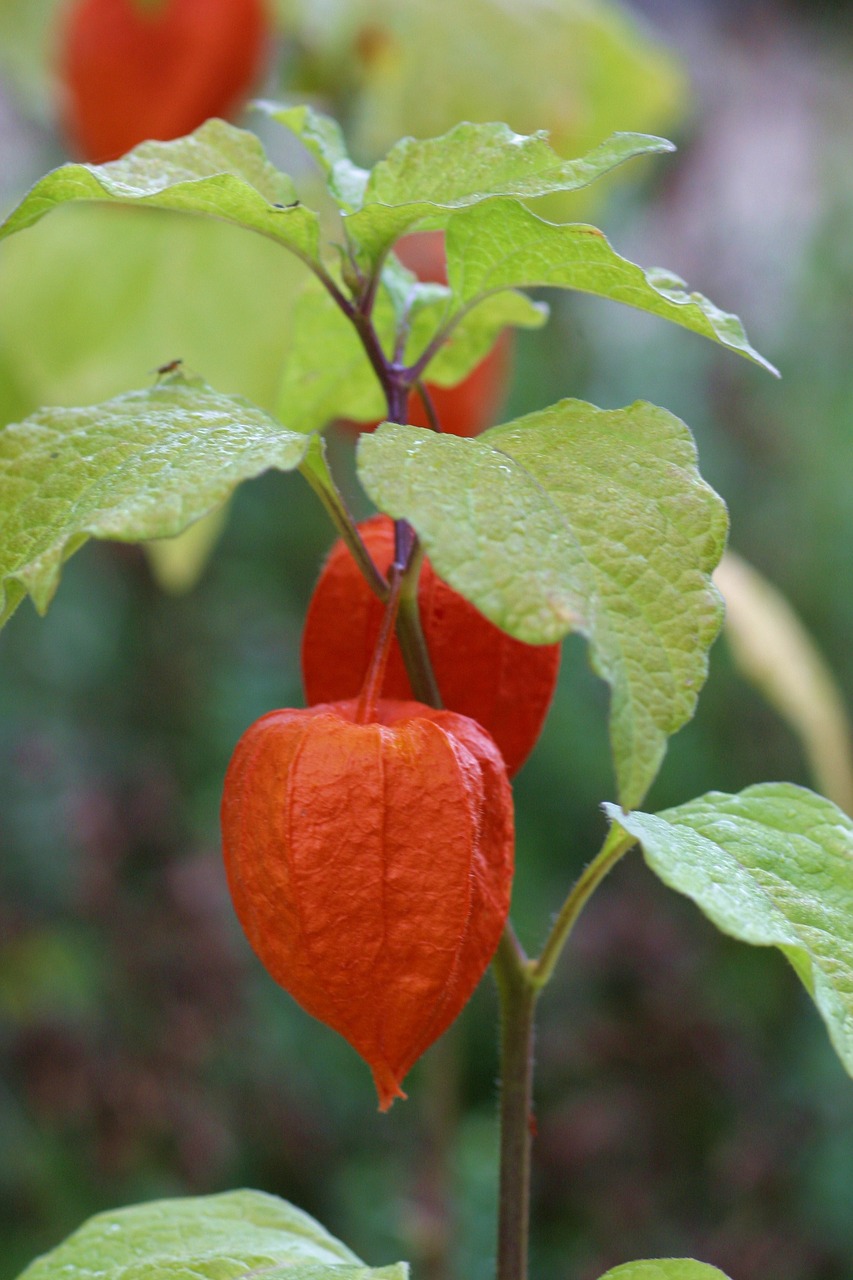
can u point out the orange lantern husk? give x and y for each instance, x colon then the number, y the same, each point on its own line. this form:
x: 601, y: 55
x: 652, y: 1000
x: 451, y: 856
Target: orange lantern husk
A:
x: 130, y: 70
x: 481, y: 672
x: 370, y: 865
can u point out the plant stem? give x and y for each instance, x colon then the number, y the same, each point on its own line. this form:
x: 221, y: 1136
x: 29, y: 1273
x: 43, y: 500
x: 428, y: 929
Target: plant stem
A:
x: 518, y: 1000
x: 614, y: 848
x: 320, y: 479
x: 373, y: 681
x: 411, y: 637
x: 429, y: 405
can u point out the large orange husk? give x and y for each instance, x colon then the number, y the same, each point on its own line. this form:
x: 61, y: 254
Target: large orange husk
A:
x: 481, y: 672
x: 128, y: 73
x: 370, y: 866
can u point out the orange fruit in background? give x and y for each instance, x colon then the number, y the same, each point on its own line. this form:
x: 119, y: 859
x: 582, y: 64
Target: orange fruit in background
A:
x: 370, y: 865
x: 481, y: 672
x: 130, y: 70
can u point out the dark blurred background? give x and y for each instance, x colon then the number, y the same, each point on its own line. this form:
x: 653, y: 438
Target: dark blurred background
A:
x: 688, y: 1101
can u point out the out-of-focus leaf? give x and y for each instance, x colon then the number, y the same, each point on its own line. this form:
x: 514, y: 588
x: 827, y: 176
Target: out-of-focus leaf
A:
x: 178, y: 563
x: 234, y: 1236
x: 775, y: 652
x: 96, y: 298
x: 26, y: 32
x: 403, y: 68
x: 772, y: 866
x: 576, y: 519
x: 145, y: 465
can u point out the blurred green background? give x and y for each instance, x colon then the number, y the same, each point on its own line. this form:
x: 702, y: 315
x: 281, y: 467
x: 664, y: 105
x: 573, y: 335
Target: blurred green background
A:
x: 687, y: 1099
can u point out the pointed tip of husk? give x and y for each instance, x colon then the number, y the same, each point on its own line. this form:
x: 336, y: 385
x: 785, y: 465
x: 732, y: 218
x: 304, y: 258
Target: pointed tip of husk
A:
x: 387, y: 1086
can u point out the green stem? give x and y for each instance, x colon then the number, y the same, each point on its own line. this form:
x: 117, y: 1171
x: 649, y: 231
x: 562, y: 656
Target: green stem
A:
x: 429, y: 405
x: 517, y: 1000
x: 614, y: 848
x: 320, y: 479
x: 411, y: 637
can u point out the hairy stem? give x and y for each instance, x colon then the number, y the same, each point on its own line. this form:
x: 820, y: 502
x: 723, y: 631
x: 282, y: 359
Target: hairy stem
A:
x: 517, y: 1000
x: 614, y: 848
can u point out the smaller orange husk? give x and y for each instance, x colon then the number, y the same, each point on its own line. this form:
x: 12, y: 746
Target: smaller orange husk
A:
x: 481, y: 672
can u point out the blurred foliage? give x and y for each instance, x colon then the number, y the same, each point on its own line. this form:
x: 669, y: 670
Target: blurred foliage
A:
x: 687, y: 1101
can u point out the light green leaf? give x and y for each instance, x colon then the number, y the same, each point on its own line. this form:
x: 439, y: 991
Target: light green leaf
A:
x: 234, y: 1236
x: 218, y: 171
x: 327, y: 374
x: 472, y: 337
x: 323, y: 137
x: 27, y: 59
x: 576, y: 519
x: 665, y: 1269
x: 102, y: 298
x: 504, y: 245
x: 145, y: 465
x: 178, y: 563
x: 427, y: 180
x: 596, y: 68
x: 772, y: 866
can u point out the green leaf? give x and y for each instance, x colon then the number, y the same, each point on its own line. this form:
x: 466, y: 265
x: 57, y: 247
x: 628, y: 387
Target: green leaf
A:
x: 772, y: 866
x: 178, y: 563
x: 503, y: 245
x: 596, y: 69
x: 429, y: 179
x: 27, y: 58
x: 102, y: 298
x: 576, y: 519
x: 665, y: 1269
x: 327, y: 374
x: 323, y: 138
x: 145, y: 465
x: 472, y: 336
x: 219, y: 171
x: 234, y: 1236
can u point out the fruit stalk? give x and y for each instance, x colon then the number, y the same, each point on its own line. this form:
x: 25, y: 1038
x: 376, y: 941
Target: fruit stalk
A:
x: 518, y: 1001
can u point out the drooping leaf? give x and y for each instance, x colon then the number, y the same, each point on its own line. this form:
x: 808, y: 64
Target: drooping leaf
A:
x: 504, y: 245
x: 428, y: 179
x: 327, y: 373
x: 576, y: 519
x: 145, y: 465
x: 218, y: 171
x: 772, y: 866
x: 234, y: 1236
x: 665, y: 1269
x: 772, y: 648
